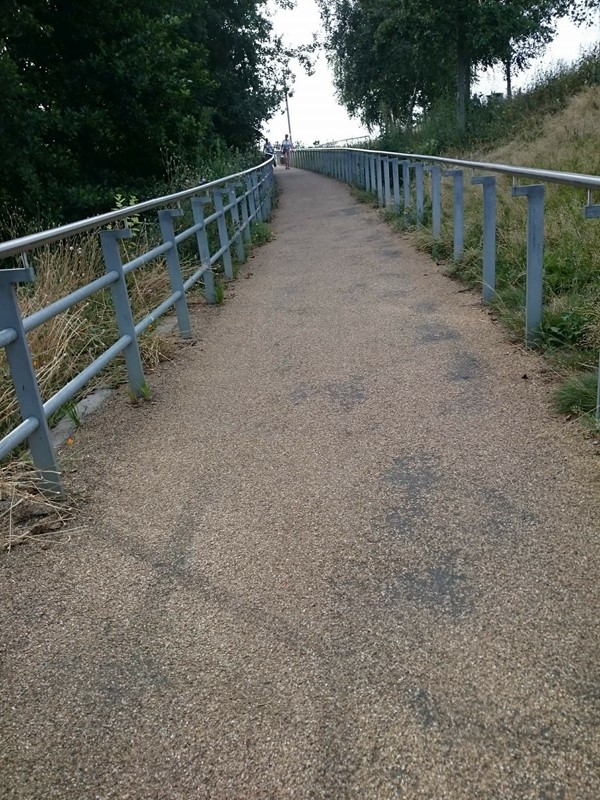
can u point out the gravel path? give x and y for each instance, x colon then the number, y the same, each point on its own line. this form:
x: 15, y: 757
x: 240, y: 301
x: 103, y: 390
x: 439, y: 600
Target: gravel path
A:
x: 346, y: 553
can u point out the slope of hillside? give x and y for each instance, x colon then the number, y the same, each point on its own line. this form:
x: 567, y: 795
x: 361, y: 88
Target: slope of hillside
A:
x: 567, y: 140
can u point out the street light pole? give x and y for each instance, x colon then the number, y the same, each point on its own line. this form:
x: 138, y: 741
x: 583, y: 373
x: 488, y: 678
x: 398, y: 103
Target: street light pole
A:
x: 287, y: 109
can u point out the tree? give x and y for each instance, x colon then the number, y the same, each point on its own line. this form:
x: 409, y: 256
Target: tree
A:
x: 402, y: 53
x: 373, y: 46
x: 101, y: 92
x: 517, y: 31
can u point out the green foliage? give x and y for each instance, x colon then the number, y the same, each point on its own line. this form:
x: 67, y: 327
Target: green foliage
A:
x: 392, y: 57
x: 363, y: 196
x: 219, y: 291
x: 497, y: 121
x: 133, y: 222
x: 577, y: 395
x: 563, y: 328
x: 143, y: 393
x: 70, y: 410
x: 105, y: 97
x: 261, y: 233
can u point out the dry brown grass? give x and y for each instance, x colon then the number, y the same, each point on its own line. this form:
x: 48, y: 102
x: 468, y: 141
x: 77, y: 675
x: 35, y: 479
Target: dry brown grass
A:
x: 569, y: 141
x: 26, y: 514
x: 63, y: 346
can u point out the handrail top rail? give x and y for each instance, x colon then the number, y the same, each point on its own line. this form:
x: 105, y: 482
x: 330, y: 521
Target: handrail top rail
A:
x: 23, y: 244
x: 552, y: 176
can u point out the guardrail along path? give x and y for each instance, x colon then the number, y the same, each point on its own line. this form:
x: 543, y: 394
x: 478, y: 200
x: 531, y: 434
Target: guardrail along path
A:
x: 348, y: 552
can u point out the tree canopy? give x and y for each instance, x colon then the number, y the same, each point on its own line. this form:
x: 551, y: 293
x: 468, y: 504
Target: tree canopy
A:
x: 97, y: 95
x: 390, y: 56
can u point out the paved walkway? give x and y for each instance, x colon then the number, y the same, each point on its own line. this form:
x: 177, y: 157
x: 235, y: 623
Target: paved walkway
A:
x: 347, y: 553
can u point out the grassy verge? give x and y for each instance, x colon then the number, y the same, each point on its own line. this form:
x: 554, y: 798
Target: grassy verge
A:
x: 568, y: 139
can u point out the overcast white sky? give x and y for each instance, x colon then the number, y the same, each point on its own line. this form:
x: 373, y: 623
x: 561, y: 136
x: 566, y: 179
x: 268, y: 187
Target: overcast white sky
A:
x: 314, y: 110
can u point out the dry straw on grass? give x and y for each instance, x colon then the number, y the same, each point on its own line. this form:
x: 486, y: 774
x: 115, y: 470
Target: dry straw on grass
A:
x: 63, y: 346
x: 28, y: 515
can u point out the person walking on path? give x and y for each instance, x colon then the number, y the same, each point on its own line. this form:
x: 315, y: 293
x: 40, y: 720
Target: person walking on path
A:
x: 286, y: 147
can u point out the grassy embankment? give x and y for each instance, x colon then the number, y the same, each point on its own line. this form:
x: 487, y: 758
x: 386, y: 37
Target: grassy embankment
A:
x: 62, y: 347
x: 555, y: 125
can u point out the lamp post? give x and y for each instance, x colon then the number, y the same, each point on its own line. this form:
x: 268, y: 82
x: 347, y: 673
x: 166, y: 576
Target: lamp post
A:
x: 287, y: 110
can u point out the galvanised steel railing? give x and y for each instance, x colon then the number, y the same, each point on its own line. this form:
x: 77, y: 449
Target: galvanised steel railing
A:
x: 392, y: 176
x: 241, y: 199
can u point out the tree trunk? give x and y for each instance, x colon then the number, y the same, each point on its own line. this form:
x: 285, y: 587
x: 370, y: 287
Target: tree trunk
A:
x: 508, y: 73
x: 463, y: 83
x: 463, y: 77
x: 411, y: 112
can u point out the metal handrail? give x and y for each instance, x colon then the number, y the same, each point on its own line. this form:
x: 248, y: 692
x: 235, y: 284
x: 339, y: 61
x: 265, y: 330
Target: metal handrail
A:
x: 253, y: 203
x: 548, y: 175
x: 390, y: 177
x: 25, y: 243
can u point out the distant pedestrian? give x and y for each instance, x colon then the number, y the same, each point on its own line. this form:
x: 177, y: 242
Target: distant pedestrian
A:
x: 286, y: 148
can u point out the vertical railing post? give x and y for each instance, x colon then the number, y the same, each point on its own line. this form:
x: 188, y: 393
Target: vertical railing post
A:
x: 436, y: 200
x: 223, y: 233
x: 267, y: 183
x: 367, y: 167
x: 386, y: 181
x: 489, y: 234
x: 257, y: 201
x: 245, y: 213
x: 406, y: 183
x: 204, y: 248
x: 378, y: 165
x: 459, y: 211
x: 592, y: 211
x: 373, y: 160
x: 165, y: 218
x: 420, y: 191
x: 396, y: 184
x: 251, y: 200
x: 235, y: 219
x: 535, y: 257
x: 109, y: 241
x: 25, y: 381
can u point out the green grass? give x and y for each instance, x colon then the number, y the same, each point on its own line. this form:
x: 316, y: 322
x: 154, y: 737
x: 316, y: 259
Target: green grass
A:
x: 261, y: 234
x: 70, y: 410
x: 556, y: 125
x: 362, y: 196
x: 491, y: 123
x: 577, y: 395
x: 143, y: 393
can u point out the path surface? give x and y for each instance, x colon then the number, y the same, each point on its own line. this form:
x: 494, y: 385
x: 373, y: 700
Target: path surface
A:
x: 348, y: 553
